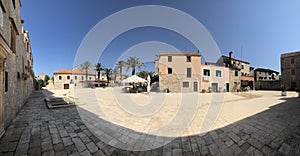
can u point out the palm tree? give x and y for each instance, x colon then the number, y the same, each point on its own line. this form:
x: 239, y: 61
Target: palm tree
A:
x: 86, y: 66
x: 108, y: 72
x: 133, y: 63
x: 120, y: 64
x: 99, y: 68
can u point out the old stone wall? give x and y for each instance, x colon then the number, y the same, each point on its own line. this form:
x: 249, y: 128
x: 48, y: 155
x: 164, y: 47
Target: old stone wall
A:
x: 268, y: 85
x: 17, y: 63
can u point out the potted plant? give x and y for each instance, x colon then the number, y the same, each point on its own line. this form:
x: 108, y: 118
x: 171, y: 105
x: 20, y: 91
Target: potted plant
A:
x: 298, y: 91
x: 283, y: 90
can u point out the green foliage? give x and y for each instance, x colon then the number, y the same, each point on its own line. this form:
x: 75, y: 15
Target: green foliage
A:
x: 297, y: 89
x: 133, y: 63
x: 284, y: 87
x: 144, y: 74
x: 46, y: 79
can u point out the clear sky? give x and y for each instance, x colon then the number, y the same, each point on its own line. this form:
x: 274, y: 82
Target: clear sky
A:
x: 257, y: 31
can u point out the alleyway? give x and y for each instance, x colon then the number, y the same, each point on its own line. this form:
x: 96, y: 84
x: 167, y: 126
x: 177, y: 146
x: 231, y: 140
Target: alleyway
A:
x: 41, y: 131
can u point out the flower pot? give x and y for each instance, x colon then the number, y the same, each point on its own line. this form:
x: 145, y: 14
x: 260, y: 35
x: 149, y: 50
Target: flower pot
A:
x: 283, y: 93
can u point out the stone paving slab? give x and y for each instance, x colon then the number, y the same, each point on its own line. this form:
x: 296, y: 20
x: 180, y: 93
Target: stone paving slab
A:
x: 41, y: 131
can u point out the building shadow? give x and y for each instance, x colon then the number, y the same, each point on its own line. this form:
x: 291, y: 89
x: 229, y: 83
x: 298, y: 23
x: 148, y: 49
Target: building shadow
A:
x: 273, y: 131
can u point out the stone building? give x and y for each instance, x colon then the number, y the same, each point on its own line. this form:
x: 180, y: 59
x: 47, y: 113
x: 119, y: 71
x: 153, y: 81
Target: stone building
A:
x: 267, y: 79
x: 290, y: 69
x: 16, y: 80
x: 179, y: 71
x: 214, y: 78
x: 63, y: 79
x: 241, y: 75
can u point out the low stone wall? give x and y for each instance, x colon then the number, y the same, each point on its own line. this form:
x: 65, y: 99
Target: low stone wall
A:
x: 268, y: 85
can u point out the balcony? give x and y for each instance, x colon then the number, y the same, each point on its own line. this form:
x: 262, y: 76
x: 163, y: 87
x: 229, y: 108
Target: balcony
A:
x: 205, y: 78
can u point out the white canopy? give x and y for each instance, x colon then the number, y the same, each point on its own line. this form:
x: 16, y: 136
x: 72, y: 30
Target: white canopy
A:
x: 134, y: 79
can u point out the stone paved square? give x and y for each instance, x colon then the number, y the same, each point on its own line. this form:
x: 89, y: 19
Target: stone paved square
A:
x: 266, y: 125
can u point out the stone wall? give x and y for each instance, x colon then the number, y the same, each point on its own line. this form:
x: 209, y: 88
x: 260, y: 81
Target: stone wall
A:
x: 17, y: 63
x: 286, y: 71
x: 268, y: 85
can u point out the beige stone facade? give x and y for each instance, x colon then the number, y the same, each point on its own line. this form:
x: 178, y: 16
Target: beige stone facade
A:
x: 214, y: 78
x: 290, y: 69
x: 65, y: 79
x: 15, y: 63
x: 241, y: 75
x: 179, y: 71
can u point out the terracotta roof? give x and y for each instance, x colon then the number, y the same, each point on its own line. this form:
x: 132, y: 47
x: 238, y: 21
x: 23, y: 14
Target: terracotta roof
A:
x: 266, y: 70
x: 291, y: 54
x: 79, y: 72
x: 179, y: 53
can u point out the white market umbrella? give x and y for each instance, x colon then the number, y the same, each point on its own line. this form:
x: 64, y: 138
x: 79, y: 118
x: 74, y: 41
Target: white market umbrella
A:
x: 134, y: 79
x: 148, y: 81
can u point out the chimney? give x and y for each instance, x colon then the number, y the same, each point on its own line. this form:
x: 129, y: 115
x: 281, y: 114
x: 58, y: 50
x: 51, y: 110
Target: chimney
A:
x: 230, y: 58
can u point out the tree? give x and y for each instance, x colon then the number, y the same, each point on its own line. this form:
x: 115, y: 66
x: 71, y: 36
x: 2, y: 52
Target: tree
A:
x: 144, y: 74
x: 120, y: 64
x: 86, y: 66
x: 133, y: 63
x: 108, y: 72
x: 46, y: 78
x: 99, y: 68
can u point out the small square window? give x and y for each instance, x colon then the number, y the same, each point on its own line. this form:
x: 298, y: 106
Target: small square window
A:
x: 75, y: 77
x: 292, y: 60
x: 206, y: 72
x: 236, y: 73
x: 68, y: 77
x: 188, y: 59
x: 169, y: 70
x: 185, y: 84
x: 169, y: 58
x: 59, y: 77
x: 189, y: 72
x: 218, y: 73
x: 292, y: 71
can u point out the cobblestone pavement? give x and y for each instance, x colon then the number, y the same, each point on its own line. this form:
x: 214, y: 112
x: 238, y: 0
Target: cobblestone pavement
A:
x: 41, y: 131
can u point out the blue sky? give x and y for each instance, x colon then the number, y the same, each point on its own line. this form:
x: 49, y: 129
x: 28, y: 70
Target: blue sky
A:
x: 262, y: 29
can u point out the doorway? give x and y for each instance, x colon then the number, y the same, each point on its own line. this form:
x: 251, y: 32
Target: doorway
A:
x: 1, y: 96
x: 227, y: 87
x: 195, y: 86
x: 214, y: 87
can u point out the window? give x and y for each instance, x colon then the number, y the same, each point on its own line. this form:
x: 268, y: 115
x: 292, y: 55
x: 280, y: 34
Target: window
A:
x: 218, y: 73
x: 189, y: 72
x: 14, y: 3
x: 169, y: 70
x: 206, y: 72
x: 75, y: 77
x: 292, y: 71
x: 13, y: 36
x: 90, y: 78
x: 236, y: 73
x: 6, y: 81
x: 185, y: 84
x: 1, y: 15
x: 188, y: 59
x: 169, y: 58
x: 242, y: 66
x: 68, y: 77
x: 81, y: 77
x: 59, y: 77
x: 292, y: 60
